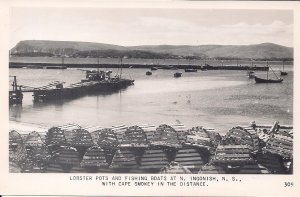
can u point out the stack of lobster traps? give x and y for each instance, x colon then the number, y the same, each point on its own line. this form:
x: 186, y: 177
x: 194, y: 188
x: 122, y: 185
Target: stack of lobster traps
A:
x: 244, y: 136
x: 81, y: 140
x: 234, y: 159
x: 17, y: 151
x: 94, y: 159
x: 190, y: 158
x: 109, y: 142
x: 66, y: 160
x: 94, y: 131
x: 15, y: 140
x: 148, y: 149
x: 153, y: 160
x: 124, y: 161
x: 277, y: 152
x: 204, y: 139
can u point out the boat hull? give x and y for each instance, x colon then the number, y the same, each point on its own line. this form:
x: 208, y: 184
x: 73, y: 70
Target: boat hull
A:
x: 260, y: 80
x: 81, y: 89
x: 190, y: 70
x: 282, y: 73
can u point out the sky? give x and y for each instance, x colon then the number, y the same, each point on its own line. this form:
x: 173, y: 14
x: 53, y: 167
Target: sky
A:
x: 143, y: 26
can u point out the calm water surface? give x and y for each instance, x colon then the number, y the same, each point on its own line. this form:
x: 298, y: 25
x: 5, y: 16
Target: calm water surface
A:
x: 218, y: 99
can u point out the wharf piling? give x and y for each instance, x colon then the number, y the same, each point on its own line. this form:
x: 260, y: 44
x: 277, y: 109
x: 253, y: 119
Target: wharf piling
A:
x: 15, y: 95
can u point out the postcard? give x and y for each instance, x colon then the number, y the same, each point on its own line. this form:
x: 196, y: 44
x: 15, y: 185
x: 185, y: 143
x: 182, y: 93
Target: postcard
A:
x: 185, y: 98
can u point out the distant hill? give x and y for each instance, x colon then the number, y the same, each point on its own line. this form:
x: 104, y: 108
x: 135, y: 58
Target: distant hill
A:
x: 61, y: 47
x: 257, y: 51
x: 89, y: 49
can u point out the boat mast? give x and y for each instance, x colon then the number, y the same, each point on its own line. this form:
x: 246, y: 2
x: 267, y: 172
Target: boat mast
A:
x: 98, y: 62
x: 274, y: 73
x: 121, y: 67
x: 268, y: 70
x: 283, y: 65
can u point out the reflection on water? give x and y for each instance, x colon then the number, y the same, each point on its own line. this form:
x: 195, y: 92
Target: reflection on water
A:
x: 15, y: 111
x: 219, y: 99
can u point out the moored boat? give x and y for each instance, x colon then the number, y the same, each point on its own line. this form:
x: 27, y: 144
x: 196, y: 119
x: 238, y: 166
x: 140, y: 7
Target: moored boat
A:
x: 251, y: 74
x: 190, y: 70
x: 260, y: 80
x: 177, y: 74
x: 283, y: 73
x: 148, y: 73
x: 154, y: 68
x: 267, y: 80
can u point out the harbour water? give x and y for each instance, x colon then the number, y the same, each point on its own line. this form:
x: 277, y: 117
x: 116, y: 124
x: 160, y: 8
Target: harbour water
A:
x: 220, y: 99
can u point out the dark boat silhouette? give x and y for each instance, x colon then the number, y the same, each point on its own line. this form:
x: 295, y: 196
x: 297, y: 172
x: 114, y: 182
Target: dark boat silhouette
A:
x: 148, y: 73
x: 283, y: 73
x: 267, y: 80
x: 260, y: 80
x: 190, y: 70
x: 177, y: 74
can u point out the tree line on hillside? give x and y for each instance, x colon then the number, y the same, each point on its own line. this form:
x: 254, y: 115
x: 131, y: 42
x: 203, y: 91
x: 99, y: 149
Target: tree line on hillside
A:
x: 137, y: 54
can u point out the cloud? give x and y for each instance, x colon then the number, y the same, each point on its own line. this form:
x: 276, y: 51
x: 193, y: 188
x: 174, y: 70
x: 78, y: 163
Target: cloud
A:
x: 129, y: 28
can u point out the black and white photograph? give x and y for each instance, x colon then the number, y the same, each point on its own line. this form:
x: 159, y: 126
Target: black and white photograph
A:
x: 152, y: 98
x: 151, y: 90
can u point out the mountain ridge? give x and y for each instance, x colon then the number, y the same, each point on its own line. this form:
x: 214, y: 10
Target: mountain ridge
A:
x: 73, y: 48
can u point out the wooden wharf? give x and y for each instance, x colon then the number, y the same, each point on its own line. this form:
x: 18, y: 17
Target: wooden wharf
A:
x: 136, y: 65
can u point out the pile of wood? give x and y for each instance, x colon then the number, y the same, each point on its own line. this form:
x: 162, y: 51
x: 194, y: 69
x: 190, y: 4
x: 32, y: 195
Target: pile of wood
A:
x: 175, y: 168
x: 134, y: 137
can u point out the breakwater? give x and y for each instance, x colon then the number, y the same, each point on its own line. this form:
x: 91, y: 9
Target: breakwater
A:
x: 253, y: 149
x: 135, y: 65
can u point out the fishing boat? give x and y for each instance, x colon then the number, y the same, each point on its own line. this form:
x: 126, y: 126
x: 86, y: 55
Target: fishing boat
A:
x: 260, y: 80
x: 190, y: 70
x: 95, y: 82
x: 267, y: 80
x: 282, y: 73
x: 148, y: 73
x: 177, y: 74
x: 251, y: 74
